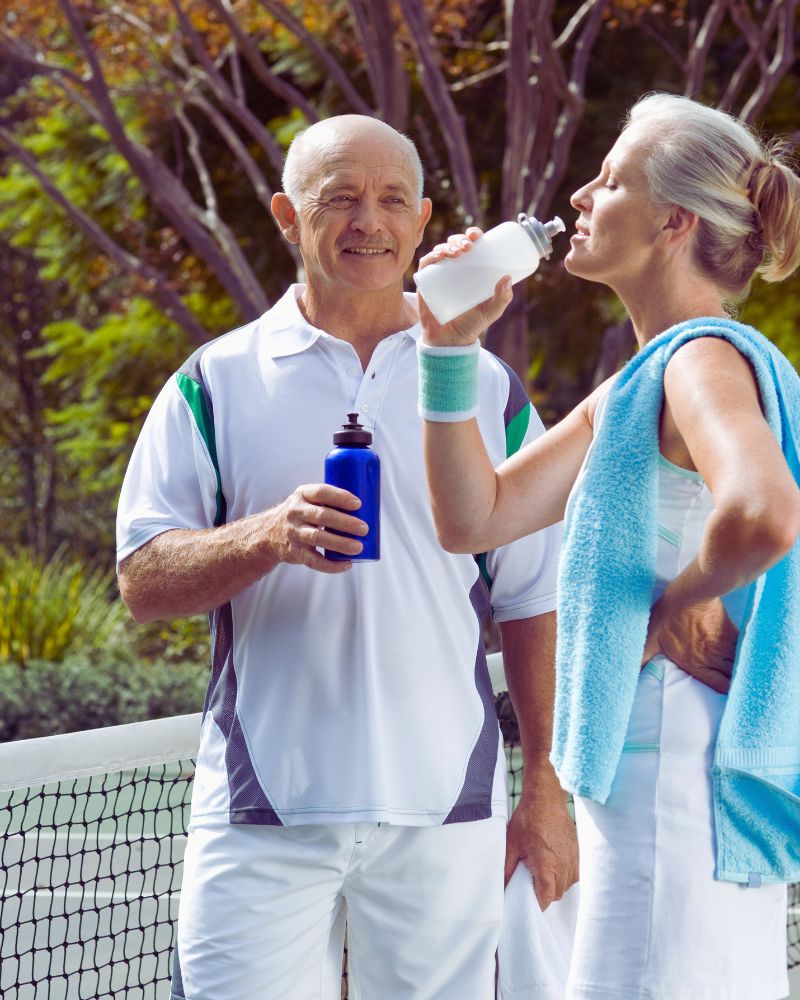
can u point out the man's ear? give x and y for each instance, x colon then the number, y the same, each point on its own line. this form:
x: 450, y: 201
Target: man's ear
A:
x: 425, y: 209
x: 285, y: 216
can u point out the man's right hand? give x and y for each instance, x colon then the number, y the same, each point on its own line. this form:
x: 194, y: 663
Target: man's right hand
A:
x: 308, y: 519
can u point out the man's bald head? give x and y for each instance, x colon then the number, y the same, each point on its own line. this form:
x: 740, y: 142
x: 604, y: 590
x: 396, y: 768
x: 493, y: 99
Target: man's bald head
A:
x: 312, y: 146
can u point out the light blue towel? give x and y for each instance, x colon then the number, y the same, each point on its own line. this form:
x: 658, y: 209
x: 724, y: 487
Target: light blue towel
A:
x: 606, y: 580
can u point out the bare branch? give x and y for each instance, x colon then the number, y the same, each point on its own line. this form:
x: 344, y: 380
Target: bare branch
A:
x: 481, y: 77
x: 250, y: 51
x: 167, y: 192
x: 206, y: 184
x: 570, y: 116
x: 35, y: 61
x: 574, y: 23
x: 757, y: 44
x: 156, y: 285
x: 441, y: 102
x: 334, y: 70
x: 781, y: 62
x: 262, y: 189
x: 236, y: 73
x: 699, y: 50
x: 661, y: 40
x: 373, y: 21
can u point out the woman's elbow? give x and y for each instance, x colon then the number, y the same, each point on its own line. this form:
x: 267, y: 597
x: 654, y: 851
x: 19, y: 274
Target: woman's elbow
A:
x: 450, y: 542
x: 786, y: 530
x: 773, y: 530
x: 456, y: 539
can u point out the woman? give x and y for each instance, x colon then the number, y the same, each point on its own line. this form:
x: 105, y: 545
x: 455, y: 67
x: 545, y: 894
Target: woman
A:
x: 678, y: 481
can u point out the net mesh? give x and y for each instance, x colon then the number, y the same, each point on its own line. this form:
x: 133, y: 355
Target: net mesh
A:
x: 90, y: 864
x: 90, y: 874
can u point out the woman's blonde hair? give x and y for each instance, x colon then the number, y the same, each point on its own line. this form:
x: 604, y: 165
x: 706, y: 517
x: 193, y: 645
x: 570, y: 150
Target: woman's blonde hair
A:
x: 745, y: 192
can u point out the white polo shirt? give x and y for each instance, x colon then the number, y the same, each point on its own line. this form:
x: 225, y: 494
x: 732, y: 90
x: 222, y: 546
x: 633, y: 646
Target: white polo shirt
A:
x: 336, y: 698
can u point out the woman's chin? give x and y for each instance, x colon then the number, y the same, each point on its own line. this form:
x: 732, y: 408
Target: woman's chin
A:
x: 574, y: 266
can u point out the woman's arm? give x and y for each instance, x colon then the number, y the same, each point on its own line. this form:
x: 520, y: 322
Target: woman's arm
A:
x: 712, y: 408
x: 475, y: 507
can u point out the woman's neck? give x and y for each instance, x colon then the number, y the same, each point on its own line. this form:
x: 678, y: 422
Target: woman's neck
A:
x: 656, y: 307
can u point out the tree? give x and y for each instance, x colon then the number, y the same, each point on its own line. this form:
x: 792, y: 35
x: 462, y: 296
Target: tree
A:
x: 179, y: 89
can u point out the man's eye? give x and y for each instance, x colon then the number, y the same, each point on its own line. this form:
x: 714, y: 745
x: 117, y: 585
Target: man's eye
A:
x: 342, y: 199
x: 611, y: 184
x: 394, y: 200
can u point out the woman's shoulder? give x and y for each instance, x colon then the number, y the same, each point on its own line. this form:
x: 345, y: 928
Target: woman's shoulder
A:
x: 595, y: 402
x: 704, y: 362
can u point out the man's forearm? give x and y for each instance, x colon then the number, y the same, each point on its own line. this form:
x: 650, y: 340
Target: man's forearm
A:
x: 540, y: 832
x: 529, y: 660
x: 182, y: 572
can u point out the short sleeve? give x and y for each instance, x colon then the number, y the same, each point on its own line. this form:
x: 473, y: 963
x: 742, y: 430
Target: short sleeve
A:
x: 521, y: 576
x: 172, y: 480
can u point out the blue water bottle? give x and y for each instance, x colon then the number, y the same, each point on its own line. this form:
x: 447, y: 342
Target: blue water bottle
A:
x: 353, y: 466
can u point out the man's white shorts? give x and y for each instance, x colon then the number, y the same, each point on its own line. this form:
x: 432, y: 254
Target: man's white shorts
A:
x: 263, y: 911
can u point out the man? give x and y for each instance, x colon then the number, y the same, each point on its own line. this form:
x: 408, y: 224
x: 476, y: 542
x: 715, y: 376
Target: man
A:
x: 349, y: 763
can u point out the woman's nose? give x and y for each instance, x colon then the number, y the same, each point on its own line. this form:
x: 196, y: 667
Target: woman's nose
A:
x: 581, y: 200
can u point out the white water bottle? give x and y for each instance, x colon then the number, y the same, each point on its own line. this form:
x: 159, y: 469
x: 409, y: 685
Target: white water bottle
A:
x: 453, y: 285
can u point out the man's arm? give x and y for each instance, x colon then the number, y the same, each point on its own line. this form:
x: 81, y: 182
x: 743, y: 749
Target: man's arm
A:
x: 188, y: 572
x: 540, y: 832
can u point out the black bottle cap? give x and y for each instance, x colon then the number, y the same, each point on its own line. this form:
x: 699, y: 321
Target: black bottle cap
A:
x: 352, y: 432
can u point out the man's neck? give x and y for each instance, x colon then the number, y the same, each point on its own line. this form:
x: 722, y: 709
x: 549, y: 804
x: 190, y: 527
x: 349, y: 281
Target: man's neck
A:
x: 362, y: 319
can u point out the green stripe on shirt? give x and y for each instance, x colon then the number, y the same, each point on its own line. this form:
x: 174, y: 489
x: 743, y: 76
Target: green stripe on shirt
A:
x: 193, y: 394
x: 516, y: 429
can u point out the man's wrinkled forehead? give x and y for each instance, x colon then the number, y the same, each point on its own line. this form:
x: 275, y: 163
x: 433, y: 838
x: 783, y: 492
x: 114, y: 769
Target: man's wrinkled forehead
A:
x: 353, y: 160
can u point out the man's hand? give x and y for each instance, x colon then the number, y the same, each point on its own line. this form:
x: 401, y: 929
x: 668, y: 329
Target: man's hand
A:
x: 307, y: 520
x: 469, y: 326
x: 700, y: 639
x: 541, y: 833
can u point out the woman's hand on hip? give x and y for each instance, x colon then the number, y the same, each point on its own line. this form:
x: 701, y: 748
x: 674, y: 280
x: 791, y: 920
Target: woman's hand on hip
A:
x: 700, y: 639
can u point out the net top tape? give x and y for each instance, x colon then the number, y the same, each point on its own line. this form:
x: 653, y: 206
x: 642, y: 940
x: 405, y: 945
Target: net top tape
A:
x: 50, y: 759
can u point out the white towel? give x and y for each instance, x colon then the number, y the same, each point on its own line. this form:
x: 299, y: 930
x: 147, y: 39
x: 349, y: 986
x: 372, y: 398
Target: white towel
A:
x: 535, y: 948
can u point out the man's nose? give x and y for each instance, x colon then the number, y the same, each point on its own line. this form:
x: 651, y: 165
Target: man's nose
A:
x: 367, y: 216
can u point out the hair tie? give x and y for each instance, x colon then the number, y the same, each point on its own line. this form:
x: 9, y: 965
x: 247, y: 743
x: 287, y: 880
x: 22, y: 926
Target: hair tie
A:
x: 752, y: 183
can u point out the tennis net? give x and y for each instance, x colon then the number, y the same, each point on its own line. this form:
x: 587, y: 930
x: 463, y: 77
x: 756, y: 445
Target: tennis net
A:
x: 91, y: 847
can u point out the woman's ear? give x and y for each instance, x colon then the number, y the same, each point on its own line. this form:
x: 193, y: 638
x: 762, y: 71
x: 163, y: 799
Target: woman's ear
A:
x: 680, y: 223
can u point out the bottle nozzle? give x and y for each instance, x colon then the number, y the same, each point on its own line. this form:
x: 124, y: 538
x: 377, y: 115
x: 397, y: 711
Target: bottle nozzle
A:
x: 352, y: 433
x: 541, y: 235
x: 556, y: 226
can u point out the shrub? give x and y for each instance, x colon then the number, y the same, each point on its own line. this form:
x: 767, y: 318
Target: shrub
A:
x: 49, y: 609
x: 42, y: 697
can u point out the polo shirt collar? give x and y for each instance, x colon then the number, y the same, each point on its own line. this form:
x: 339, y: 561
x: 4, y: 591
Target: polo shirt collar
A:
x: 287, y: 331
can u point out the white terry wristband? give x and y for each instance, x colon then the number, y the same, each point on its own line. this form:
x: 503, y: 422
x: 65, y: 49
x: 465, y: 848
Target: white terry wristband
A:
x: 448, y: 382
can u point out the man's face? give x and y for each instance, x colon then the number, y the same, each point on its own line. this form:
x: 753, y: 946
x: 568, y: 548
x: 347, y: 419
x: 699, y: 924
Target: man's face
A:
x: 359, y: 221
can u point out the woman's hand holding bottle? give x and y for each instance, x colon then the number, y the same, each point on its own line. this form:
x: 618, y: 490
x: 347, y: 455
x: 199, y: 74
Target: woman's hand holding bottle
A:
x: 469, y: 326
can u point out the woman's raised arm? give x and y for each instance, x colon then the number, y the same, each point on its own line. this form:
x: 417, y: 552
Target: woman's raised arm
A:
x: 476, y: 507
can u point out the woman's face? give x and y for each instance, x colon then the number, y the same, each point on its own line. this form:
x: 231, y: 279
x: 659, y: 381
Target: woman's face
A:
x: 618, y: 222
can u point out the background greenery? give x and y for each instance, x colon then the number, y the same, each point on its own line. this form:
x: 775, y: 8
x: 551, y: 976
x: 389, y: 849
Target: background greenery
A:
x: 139, y: 143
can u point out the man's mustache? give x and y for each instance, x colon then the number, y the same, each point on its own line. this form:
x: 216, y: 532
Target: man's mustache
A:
x: 374, y: 243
